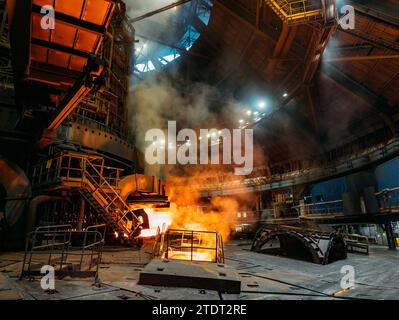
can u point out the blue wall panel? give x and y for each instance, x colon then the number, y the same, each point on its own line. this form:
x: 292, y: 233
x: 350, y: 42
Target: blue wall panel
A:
x: 387, y: 174
x: 331, y: 189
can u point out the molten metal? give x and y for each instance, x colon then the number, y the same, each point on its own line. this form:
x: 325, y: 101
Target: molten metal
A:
x: 158, y: 221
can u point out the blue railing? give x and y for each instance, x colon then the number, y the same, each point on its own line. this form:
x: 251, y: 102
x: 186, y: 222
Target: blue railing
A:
x: 321, y: 208
x: 388, y: 199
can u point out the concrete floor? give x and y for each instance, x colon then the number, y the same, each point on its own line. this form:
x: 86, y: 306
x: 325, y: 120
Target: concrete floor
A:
x: 263, y: 277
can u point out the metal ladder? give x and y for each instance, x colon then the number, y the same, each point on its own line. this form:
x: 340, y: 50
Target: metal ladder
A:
x: 107, y: 201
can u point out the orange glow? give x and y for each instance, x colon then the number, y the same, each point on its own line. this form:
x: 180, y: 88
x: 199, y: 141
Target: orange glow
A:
x: 161, y: 220
x: 196, y: 246
x: 197, y: 256
x: 340, y: 292
x: 186, y: 213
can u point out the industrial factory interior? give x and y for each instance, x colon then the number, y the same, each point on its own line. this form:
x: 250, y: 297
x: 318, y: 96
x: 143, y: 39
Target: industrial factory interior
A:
x: 213, y: 150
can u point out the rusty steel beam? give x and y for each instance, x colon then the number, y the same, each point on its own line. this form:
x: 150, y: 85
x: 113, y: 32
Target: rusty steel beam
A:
x: 160, y: 10
x: 249, y: 24
x: 376, y: 41
x: 360, y: 58
x: 378, y: 15
x: 319, y: 41
x: 384, y: 110
x: 69, y: 103
x: 259, y: 7
x: 282, y: 48
x: 183, y: 50
x: 59, y: 47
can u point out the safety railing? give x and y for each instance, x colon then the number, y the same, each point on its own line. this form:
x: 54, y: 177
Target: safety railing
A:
x: 158, y: 247
x: 69, y: 252
x: 191, y: 245
x: 69, y: 168
x: 269, y: 181
x: 108, y: 198
x: 297, y: 11
x: 320, y: 208
x: 388, y: 199
x: 97, y: 183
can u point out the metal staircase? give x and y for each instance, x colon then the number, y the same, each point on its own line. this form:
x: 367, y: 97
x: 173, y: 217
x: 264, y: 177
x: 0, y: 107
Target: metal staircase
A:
x: 107, y: 201
x: 100, y: 185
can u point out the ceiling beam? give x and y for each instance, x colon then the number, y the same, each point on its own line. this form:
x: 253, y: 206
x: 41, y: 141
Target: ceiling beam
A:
x: 360, y: 58
x: 391, y: 18
x: 376, y: 41
x: 249, y: 24
x: 154, y: 12
x: 183, y: 50
x: 59, y: 47
x: 72, y: 21
x: 382, y: 107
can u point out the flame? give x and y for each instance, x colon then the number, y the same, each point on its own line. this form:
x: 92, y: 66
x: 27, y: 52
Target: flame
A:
x: 161, y: 220
x: 189, y: 212
x: 185, y: 211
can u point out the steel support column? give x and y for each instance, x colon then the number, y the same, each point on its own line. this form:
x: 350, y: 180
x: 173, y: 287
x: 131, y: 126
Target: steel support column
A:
x: 81, y: 214
x: 390, y: 236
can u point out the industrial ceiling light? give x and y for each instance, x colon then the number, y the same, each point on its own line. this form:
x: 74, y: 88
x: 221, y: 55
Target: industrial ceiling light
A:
x: 262, y: 105
x: 249, y: 112
x: 241, y: 121
x: 285, y: 95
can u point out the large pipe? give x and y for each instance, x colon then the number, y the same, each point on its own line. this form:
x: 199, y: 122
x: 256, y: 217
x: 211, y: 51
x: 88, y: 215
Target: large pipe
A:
x: 34, y: 204
x: 81, y: 214
x: 151, y: 13
x: 16, y: 191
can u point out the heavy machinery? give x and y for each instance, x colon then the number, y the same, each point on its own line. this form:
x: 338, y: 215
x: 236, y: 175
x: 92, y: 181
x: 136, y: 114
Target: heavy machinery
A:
x: 300, y: 243
x: 68, y: 150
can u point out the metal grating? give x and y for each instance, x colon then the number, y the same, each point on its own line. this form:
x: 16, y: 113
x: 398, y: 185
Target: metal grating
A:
x: 295, y: 12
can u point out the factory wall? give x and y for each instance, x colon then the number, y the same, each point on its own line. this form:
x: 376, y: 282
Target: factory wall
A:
x: 328, y: 190
x: 387, y: 174
x: 382, y: 177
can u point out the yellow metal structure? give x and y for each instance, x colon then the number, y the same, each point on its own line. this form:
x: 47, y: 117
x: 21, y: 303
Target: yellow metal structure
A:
x: 96, y: 182
x: 295, y: 12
